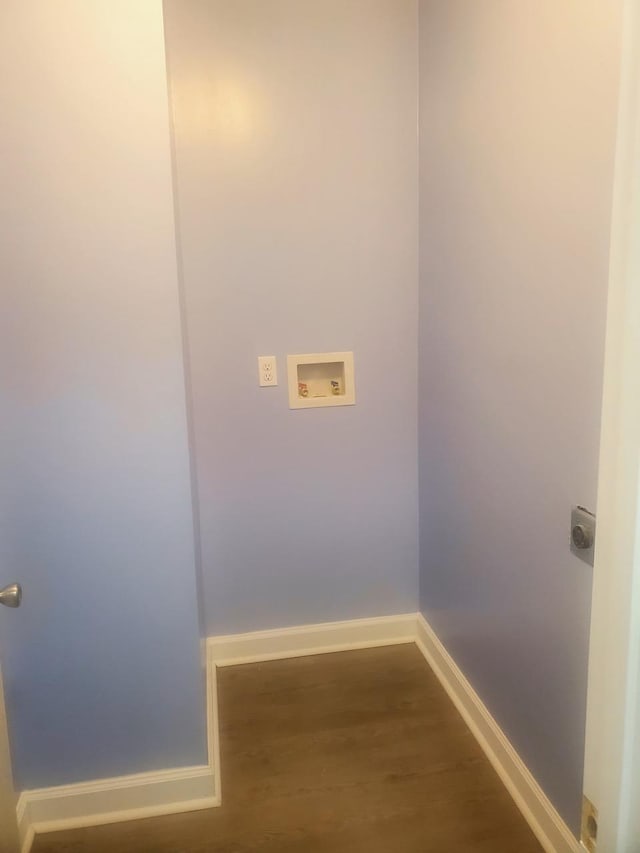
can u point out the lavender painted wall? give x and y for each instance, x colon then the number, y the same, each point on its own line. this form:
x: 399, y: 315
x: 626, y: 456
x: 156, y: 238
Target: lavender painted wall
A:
x: 102, y: 663
x: 517, y: 133
x: 295, y: 142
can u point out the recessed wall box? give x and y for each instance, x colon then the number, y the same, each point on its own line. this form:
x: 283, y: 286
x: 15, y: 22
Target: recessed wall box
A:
x: 321, y: 379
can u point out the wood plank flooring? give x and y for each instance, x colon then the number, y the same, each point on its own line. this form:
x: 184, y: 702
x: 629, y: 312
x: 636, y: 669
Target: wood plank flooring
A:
x: 357, y: 752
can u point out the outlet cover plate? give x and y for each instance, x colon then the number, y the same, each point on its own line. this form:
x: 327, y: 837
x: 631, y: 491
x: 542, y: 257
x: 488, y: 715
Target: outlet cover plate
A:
x: 267, y: 371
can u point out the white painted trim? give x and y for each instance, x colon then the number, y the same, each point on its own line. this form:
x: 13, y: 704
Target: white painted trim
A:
x: 612, y: 748
x: 8, y: 800
x: 544, y: 820
x: 233, y: 649
x: 551, y: 831
x: 114, y: 800
x: 185, y: 789
x: 190, y: 788
x: 131, y: 797
x: 27, y: 843
x: 26, y: 832
x: 213, y: 724
x: 120, y: 798
x: 299, y: 641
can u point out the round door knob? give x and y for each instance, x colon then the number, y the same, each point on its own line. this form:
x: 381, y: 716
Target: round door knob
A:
x: 582, y: 536
x: 11, y: 596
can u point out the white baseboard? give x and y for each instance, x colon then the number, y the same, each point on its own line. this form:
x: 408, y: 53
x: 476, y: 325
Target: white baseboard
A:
x: 213, y: 725
x: 26, y: 833
x: 299, y: 641
x: 114, y: 800
x: 190, y: 788
x: 121, y: 798
x: 551, y: 831
x: 27, y: 843
x: 233, y: 649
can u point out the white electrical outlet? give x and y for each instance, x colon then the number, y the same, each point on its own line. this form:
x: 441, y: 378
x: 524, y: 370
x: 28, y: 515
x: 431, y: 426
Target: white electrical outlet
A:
x: 267, y: 370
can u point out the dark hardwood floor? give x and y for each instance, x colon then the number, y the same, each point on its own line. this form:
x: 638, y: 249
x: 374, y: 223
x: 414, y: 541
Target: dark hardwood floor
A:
x: 357, y: 752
